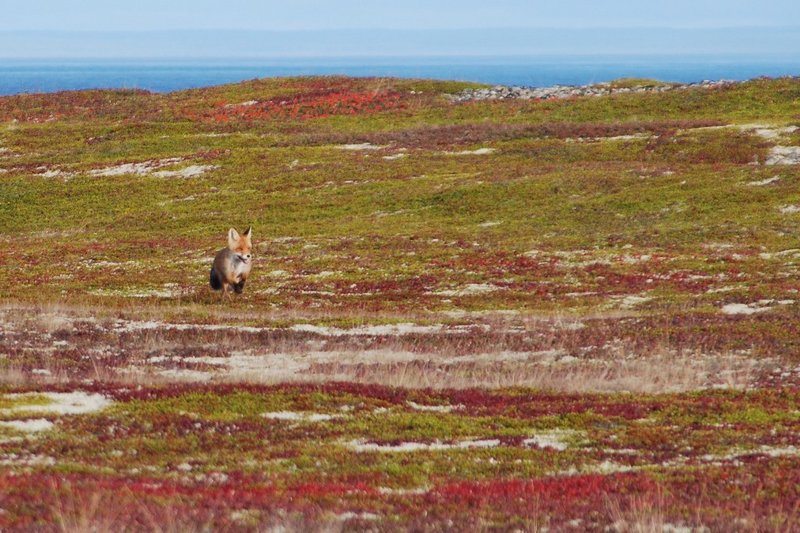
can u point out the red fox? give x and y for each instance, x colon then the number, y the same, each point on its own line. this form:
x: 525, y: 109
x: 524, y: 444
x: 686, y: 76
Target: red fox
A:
x: 232, y: 264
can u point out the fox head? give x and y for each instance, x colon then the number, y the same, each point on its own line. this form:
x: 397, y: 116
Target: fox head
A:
x: 241, y: 244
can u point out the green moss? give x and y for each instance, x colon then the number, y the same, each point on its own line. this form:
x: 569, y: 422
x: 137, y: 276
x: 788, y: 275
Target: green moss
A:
x: 585, y: 176
x: 18, y: 402
x: 637, y: 82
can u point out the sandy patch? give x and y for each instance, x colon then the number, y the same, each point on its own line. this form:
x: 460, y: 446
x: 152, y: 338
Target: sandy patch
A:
x: 139, y: 169
x: 752, y: 308
x: 403, y: 492
x: 275, y: 367
x: 28, y: 426
x: 130, y: 326
x: 610, y: 467
x: 634, y: 259
x: 15, y: 459
x: 468, y: 290
x: 631, y: 300
x: 548, y: 370
x: 736, y: 454
x: 556, y: 439
x: 479, y: 151
x: 434, y: 408
x: 385, y: 329
x: 248, y: 103
x: 784, y: 155
x: 792, y: 252
x: 631, y: 137
x: 153, y: 168
x: 765, y: 182
x: 61, y: 403
x: 350, y: 515
x: 767, y: 132
x: 742, y: 309
x: 359, y: 147
x: 405, y: 447
x: 191, y: 171
x: 56, y: 173
x: 295, y: 416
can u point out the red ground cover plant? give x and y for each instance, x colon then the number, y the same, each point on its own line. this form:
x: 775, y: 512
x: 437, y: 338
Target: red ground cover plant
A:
x: 664, y: 440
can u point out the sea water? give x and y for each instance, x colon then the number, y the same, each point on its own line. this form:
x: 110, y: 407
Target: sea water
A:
x: 164, y: 75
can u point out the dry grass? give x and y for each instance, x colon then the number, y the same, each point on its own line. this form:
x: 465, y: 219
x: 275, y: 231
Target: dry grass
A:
x: 643, y: 513
x: 659, y: 374
x: 106, y: 511
x: 60, y: 344
x: 110, y: 511
x: 59, y: 347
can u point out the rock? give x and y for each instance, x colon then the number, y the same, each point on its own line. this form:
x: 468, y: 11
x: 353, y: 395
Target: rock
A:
x: 784, y: 155
x: 499, y: 92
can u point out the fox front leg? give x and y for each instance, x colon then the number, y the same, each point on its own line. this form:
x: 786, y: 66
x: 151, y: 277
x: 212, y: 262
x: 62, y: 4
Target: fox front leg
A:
x: 239, y: 287
x: 226, y: 292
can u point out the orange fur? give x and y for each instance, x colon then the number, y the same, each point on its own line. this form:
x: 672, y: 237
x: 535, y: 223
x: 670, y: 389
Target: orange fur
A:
x: 232, y: 264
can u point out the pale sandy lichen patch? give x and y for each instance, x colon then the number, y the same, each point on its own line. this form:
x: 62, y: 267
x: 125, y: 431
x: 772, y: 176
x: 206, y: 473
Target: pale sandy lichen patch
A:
x: 32, y: 425
x: 383, y: 329
x: 404, y: 447
x: 784, y: 155
x: 631, y: 300
x: 470, y: 289
x: 192, y: 171
x: 557, y: 439
x: 752, y: 308
x: 351, y: 515
x: 58, y: 403
x: 434, y: 408
x: 355, y: 147
x: 765, y: 182
x: 478, y: 151
x: 299, y: 416
x: 248, y: 103
x: 140, y: 169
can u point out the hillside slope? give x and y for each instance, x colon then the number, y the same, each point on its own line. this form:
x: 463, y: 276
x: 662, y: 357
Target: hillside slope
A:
x: 478, y: 297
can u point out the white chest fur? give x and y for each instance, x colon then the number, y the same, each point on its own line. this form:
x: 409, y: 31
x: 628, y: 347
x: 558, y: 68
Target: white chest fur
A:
x: 242, y: 269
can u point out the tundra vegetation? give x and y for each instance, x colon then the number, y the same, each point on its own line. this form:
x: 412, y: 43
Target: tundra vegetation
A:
x: 565, y: 314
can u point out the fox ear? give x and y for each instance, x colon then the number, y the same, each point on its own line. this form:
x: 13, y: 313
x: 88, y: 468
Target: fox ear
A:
x: 248, y: 232
x: 233, y: 237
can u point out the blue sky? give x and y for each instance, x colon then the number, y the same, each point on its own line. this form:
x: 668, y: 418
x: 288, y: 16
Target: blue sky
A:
x: 148, y: 15
x: 383, y: 28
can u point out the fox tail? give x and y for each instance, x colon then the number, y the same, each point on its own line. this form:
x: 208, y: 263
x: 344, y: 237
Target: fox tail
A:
x: 214, y: 280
